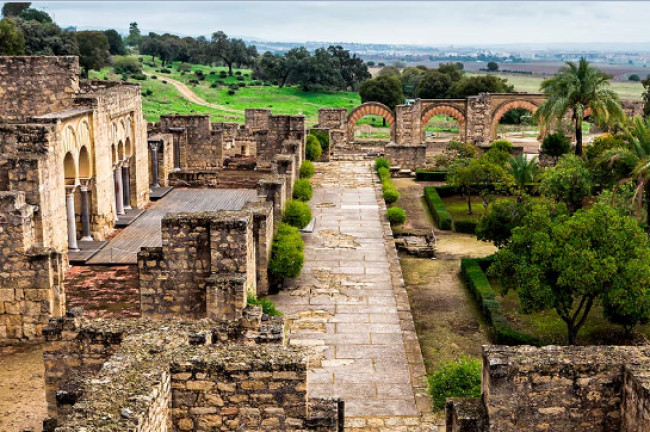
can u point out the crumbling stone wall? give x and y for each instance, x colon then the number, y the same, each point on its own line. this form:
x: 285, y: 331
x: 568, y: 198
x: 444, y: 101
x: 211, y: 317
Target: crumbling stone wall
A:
x: 31, y: 86
x: 164, y: 144
x: 273, y: 190
x: 206, y: 266
x: 332, y: 118
x: 407, y: 130
x: 193, y: 133
x: 592, y: 388
x: 285, y: 165
x: 406, y: 156
x: 263, y: 237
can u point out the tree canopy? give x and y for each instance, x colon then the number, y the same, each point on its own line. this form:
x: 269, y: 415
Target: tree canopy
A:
x: 385, y: 89
x: 115, y: 42
x: 12, y: 41
x: 93, y: 50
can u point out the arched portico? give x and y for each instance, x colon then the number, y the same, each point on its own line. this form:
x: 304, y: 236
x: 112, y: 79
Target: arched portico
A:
x: 502, y: 109
x: 370, y: 108
x: 442, y: 109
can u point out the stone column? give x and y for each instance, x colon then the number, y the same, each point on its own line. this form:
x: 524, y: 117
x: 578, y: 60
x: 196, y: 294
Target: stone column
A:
x: 72, y: 223
x: 85, y: 214
x: 177, y: 152
x: 153, y: 146
x: 119, y: 200
x: 126, y: 185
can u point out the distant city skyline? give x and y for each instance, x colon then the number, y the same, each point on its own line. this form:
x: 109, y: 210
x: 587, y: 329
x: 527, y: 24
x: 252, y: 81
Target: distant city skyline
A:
x: 391, y: 22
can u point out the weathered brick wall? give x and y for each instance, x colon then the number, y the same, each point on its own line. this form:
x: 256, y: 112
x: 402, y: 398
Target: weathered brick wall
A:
x: 194, y: 178
x: 332, y: 118
x: 30, y: 86
x: 197, y: 150
x: 558, y: 388
x: 285, y: 165
x: 636, y: 399
x: 273, y: 190
x: 205, y: 267
x: 165, y: 145
x: 406, y: 156
x: 282, y: 129
x: 407, y: 130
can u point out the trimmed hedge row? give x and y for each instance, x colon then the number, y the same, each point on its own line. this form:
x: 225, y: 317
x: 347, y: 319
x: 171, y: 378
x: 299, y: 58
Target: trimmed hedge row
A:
x: 437, y: 208
x: 465, y: 226
x: 423, y: 175
x: 479, y: 285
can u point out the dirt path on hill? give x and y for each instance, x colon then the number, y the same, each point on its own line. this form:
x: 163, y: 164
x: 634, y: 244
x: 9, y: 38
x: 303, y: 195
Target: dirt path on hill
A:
x: 188, y: 94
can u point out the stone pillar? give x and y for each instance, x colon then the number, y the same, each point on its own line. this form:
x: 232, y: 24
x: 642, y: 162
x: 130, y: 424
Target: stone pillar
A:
x: 154, y: 164
x: 177, y: 153
x: 119, y: 200
x: 274, y: 190
x: 85, y: 214
x: 72, y: 223
x: 126, y: 185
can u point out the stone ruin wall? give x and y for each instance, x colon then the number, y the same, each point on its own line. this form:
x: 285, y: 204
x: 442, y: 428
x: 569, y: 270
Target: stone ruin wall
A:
x: 31, y: 86
x: 406, y: 156
x: 164, y: 144
x: 594, y: 388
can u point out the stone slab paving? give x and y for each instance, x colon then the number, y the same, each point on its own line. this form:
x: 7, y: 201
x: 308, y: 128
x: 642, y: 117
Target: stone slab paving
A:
x: 350, y: 306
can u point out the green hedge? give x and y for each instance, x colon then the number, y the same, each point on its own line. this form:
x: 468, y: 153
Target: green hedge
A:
x: 391, y: 194
x: 396, y: 215
x: 302, y: 190
x: 446, y: 191
x: 437, y: 208
x: 287, y: 254
x: 297, y: 214
x: 479, y: 285
x: 423, y: 175
x: 465, y: 226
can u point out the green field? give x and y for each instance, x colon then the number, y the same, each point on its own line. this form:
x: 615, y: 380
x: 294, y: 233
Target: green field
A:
x: 527, y: 83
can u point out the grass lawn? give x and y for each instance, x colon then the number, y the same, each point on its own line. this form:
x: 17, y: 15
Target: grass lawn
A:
x: 551, y: 330
x: 457, y: 208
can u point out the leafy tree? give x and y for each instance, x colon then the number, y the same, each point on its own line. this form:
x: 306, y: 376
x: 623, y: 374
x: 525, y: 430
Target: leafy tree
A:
x: 399, y: 64
x: 569, y: 182
x: 115, y: 42
x: 32, y: 14
x: 636, y: 152
x: 523, y: 171
x: 351, y: 68
x: 370, y: 63
x: 571, y: 263
x: 410, y: 78
x: 12, y: 41
x: 93, y: 50
x: 608, y: 170
x: 646, y: 96
x: 471, y: 86
x: 383, y: 89
x: 452, y: 70
x: 14, y: 9
x: 126, y: 65
x: 634, y: 77
x: 574, y: 89
x: 476, y: 177
x: 516, y: 116
x: 500, y: 218
x: 492, y: 66
x: 434, y: 85
x: 390, y: 71
x: 556, y: 144
x: 313, y: 149
x: 47, y: 39
x: 135, y: 37
x: 228, y: 50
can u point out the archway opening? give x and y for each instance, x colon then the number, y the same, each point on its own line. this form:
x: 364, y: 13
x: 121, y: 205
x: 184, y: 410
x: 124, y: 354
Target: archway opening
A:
x: 85, y: 170
x: 127, y: 147
x: 442, y: 123
x: 69, y: 169
x: 114, y: 154
x: 120, y: 151
x: 370, y: 128
x: 517, y: 124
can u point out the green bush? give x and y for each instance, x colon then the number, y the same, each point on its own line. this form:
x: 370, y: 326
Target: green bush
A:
x: 165, y: 70
x: 302, y: 190
x: 126, y: 65
x: 446, y: 191
x: 139, y: 77
x: 268, y: 307
x: 323, y: 137
x: 381, y: 163
x: 287, y: 254
x: 239, y: 78
x: 391, y: 195
x: 465, y: 226
x: 461, y: 378
x: 297, y: 214
x: 478, y: 284
x: 396, y: 215
x: 384, y: 174
x: 503, y: 145
x: 313, y: 149
x: 307, y: 170
x: 555, y: 145
x: 231, y: 92
x: 437, y: 208
x: 238, y: 73
x: 214, y: 84
x: 422, y: 175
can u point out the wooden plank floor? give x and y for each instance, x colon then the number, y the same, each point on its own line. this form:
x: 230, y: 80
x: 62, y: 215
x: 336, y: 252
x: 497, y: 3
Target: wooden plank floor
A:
x: 145, y: 231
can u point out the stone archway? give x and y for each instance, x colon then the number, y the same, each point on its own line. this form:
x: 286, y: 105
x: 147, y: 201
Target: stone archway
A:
x: 370, y: 108
x: 442, y: 109
x: 502, y: 109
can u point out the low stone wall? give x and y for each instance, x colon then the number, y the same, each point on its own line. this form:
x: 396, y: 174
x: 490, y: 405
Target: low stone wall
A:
x: 195, y: 179
x: 408, y: 157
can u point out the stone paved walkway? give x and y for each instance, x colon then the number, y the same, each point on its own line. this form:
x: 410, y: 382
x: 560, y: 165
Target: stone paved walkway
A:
x: 351, y: 307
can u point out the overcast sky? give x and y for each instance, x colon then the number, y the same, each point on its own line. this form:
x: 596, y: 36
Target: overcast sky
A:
x: 425, y: 23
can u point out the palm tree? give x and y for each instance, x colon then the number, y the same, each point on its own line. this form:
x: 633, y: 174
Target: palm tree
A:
x: 575, y: 89
x: 523, y: 171
x: 638, y: 136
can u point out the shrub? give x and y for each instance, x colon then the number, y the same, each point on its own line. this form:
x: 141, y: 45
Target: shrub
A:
x: 212, y: 72
x: 422, y: 175
x: 126, y: 65
x: 396, y: 215
x: 381, y: 163
x: 184, y: 67
x: 313, y: 149
x: 164, y: 81
x: 154, y: 77
x: 240, y: 78
x: 556, y: 144
x: 307, y: 170
x: 193, y: 81
x: 384, y: 174
x: 323, y: 137
x: 238, y: 73
x: 148, y: 92
x: 140, y: 77
x: 231, y: 92
x: 503, y: 145
x: 268, y: 307
x: 437, y: 208
x: 241, y: 84
x: 287, y: 254
x: 465, y: 226
x: 302, y: 190
x: 391, y: 194
x: 297, y: 214
x: 460, y: 378
x: 234, y: 86
x: 214, y: 84
x: 198, y: 73
x: 223, y: 73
